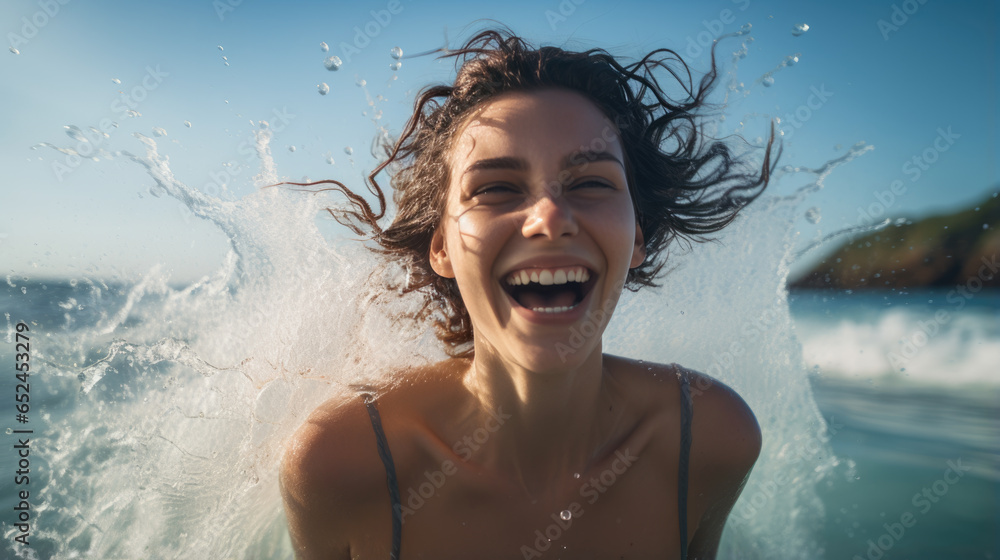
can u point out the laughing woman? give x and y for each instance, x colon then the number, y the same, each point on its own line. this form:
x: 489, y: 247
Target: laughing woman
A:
x: 530, y: 193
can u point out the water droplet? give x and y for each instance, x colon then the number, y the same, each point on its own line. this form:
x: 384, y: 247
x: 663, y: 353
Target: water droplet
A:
x: 565, y: 515
x: 220, y: 47
x: 790, y: 61
x: 812, y: 215
x: 745, y: 29
x: 349, y: 150
x: 187, y: 124
x: 361, y: 83
x: 396, y: 53
x: 157, y: 131
x: 986, y: 226
x: 263, y: 125
x: 323, y: 89
x: 116, y: 80
x: 225, y: 58
x: 324, y: 47
x: 330, y: 160
x: 332, y: 63
x: 75, y: 133
x: 395, y: 65
x: 768, y: 81
x: 799, y: 29
x: 15, y: 51
x: 226, y: 63
x: 10, y: 431
x: 291, y: 148
x: 576, y: 475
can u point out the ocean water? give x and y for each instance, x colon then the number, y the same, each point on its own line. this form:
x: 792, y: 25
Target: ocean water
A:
x: 158, y: 410
x: 910, y: 388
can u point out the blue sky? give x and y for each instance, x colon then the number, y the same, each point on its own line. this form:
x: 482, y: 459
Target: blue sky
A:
x: 921, y: 84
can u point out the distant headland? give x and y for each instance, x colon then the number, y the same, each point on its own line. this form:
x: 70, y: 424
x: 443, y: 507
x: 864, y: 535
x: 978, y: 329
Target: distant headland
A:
x: 934, y: 252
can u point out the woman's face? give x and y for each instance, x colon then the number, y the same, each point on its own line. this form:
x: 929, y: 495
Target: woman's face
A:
x: 539, y: 229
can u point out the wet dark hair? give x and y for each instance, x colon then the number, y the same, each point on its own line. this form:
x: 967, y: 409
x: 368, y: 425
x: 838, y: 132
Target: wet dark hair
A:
x: 682, y: 186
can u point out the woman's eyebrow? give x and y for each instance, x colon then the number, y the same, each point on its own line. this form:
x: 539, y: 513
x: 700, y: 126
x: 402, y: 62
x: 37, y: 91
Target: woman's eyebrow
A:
x: 576, y: 159
x: 507, y: 162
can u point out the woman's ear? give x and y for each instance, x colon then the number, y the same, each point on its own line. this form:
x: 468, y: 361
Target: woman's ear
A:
x: 639, y: 249
x: 440, y: 261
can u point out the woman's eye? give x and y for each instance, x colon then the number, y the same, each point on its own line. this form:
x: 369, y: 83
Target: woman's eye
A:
x: 593, y: 184
x: 495, y: 189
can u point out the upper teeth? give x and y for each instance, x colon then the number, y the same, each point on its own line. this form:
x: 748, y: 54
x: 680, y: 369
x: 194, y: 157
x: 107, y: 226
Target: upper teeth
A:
x: 549, y: 276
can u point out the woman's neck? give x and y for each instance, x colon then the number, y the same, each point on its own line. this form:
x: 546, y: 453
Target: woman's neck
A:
x: 554, y: 424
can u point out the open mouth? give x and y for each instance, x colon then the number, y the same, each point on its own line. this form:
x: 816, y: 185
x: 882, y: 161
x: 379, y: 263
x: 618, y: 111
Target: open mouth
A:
x: 549, y: 290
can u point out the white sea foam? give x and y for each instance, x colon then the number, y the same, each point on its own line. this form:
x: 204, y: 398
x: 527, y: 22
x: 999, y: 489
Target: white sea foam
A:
x: 907, y: 345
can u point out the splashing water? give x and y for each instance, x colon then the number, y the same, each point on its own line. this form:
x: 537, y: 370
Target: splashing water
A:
x: 167, y: 441
x: 332, y: 63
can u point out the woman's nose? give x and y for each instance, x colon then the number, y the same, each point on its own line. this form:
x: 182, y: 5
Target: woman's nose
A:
x: 550, y: 215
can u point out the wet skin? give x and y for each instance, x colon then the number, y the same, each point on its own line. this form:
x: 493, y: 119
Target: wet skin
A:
x: 490, y: 446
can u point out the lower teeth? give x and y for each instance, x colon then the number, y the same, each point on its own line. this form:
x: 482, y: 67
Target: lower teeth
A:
x: 551, y: 309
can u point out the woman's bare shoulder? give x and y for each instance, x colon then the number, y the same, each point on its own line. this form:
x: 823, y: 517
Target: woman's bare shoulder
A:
x: 725, y: 432
x: 724, y: 428
x: 328, y: 468
x: 331, y: 459
x: 334, y: 454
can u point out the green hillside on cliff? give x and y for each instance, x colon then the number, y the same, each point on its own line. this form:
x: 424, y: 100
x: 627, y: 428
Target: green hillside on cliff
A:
x: 934, y: 252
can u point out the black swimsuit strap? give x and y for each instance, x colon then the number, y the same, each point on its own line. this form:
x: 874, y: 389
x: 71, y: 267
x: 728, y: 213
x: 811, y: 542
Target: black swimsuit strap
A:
x: 390, y: 475
x: 682, y: 472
